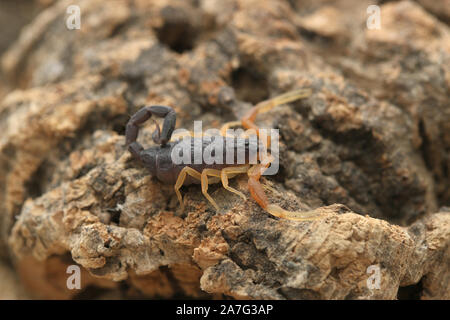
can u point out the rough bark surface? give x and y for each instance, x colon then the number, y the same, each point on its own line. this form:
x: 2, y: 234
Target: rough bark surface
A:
x: 369, y: 150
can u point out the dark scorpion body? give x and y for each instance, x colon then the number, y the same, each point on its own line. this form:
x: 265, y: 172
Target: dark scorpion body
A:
x: 159, y: 161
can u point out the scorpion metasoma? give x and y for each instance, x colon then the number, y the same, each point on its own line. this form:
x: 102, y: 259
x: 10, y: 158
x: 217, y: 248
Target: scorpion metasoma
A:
x: 159, y: 161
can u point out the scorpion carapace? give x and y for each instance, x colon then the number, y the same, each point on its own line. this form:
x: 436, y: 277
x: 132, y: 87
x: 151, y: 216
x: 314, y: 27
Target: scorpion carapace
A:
x: 159, y: 159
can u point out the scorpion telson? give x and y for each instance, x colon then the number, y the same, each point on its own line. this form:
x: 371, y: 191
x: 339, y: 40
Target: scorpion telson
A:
x: 159, y: 161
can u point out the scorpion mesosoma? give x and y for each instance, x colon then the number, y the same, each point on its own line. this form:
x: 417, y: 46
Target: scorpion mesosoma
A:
x: 158, y: 161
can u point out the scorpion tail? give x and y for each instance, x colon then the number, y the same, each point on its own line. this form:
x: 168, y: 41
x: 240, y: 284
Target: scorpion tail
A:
x: 276, y: 211
x: 258, y: 194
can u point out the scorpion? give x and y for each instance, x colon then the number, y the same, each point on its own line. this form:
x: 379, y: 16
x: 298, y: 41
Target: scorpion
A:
x: 158, y: 160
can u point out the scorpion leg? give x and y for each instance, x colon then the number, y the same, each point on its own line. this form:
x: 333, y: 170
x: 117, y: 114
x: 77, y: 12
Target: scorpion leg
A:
x: 265, y: 106
x: 224, y: 175
x: 227, y: 172
x: 248, y: 120
x: 265, y: 186
x: 204, y: 180
x: 228, y: 125
x: 180, y: 182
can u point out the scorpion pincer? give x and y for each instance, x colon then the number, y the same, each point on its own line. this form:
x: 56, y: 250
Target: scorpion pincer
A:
x: 158, y: 159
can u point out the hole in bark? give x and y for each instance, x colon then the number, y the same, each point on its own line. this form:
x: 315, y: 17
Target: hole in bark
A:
x: 118, y: 29
x: 119, y: 123
x: 314, y: 37
x: 115, y: 216
x: 35, y: 185
x: 249, y: 85
x: 176, y: 32
x: 412, y: 292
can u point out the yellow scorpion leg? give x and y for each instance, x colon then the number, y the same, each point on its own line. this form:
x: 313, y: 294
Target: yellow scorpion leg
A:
x: 228, y: 125
x: 231, y: 172
x: 204, y: 180
x: 180, y: 181
x: 248, y: 120
x: 226, y: 173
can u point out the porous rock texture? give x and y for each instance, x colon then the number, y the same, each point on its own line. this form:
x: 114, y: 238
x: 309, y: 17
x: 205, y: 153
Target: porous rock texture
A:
x: 369, y: 151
